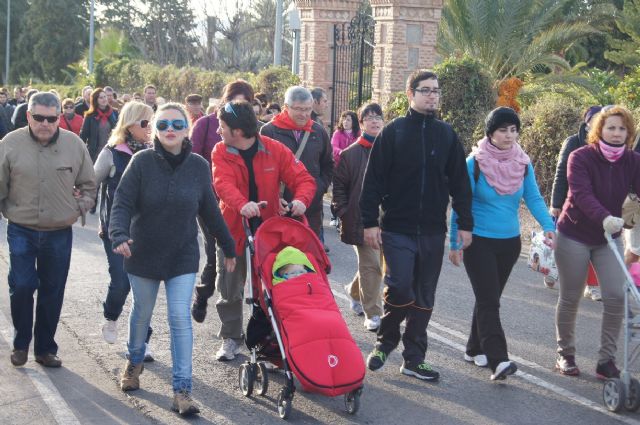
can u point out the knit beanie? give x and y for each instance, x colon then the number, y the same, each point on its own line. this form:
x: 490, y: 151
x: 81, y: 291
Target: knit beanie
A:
x: 501, y: 117
x: 589, y: 113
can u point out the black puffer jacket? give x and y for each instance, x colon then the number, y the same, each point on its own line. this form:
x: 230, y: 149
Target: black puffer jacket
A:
x: 415, y: 164
x: 560, y: 183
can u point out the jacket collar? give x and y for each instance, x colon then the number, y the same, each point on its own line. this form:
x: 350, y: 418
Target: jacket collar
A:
x: 235, y: 151
x: 414, y: 115
x: 53, y: 140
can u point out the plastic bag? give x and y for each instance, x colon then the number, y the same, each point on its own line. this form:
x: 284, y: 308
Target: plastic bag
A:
x: 541, y: 257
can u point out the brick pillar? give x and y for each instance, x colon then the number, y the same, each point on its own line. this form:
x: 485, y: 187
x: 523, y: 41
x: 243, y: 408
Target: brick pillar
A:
x: 316, y: 57
x: 405, y: 40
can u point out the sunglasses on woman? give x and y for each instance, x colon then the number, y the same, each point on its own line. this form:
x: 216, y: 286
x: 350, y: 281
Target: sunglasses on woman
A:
x: 143, y: 123
x: 163, y: 125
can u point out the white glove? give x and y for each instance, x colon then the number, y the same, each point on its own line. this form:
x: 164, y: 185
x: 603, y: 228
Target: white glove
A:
x: 612, y: 224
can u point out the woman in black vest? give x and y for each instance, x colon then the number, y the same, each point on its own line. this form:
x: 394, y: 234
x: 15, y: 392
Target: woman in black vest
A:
x: 99, y: 120
x: 130, y: 135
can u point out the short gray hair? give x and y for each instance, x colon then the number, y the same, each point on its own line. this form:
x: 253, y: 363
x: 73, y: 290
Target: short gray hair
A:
x: 45, y: 99
x: 297, y: 94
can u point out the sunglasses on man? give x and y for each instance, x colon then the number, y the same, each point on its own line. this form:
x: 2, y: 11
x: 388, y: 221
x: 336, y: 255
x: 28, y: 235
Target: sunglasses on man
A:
x: 228, y: 107
x: 163, y: 125
x: 40, y: 118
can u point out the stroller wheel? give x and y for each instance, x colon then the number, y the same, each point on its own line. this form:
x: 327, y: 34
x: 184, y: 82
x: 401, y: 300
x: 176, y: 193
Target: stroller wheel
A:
x: 352, y: 401
x: 285, y: 400
x: 262, y: 379
x: 613, y: 394
x: 246, y: 378
x: 632, y: 401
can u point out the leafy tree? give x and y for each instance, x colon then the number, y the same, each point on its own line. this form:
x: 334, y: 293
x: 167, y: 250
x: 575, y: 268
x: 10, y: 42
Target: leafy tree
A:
x: 626, y: 51
x: 53, y: 35
x: 510, y: 37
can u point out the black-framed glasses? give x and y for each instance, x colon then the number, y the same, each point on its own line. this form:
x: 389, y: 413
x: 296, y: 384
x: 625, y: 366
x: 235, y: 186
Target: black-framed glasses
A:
x: 228, y: 107
x: 425, y: 91
x: 163, y: 125
x: 373, y: 118
x: 144, y: 123
x: 41, y: 118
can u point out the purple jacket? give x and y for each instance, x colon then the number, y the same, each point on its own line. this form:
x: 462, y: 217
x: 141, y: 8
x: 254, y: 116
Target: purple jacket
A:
x: 340, y: 141
x: 597, y: 189
x: 204, y: 136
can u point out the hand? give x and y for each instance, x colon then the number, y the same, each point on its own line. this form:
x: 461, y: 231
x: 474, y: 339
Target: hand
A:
x: 252, y: 209
x: 455, y: 256
x: 550, y: 239
x: 555, y: 212
x: 229, y: 264
x: 464, y: 238
x: 630, y: 257
x: 297, y: 208
x: 76, y: 193
x: 612, y: 224
x: 123, y: 249
x: 283, y: 208
x: 373, y: 237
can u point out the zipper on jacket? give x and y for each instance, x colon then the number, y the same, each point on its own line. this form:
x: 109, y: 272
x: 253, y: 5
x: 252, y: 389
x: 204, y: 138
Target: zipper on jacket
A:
x: 423, y: 171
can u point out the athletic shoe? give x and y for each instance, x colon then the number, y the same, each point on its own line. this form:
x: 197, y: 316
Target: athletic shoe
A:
x: 110, y: 331
x: 355, y: 306
x: 148, y: 354
x: 503, y: 370
x: 184, y: 404
x: 228, y: 350
x: 549, y: 282
x: 199, y: 309
x: 592, y: 292
x: 607, y: 370
x: 479, y: 360
x: 566, y: 365
x: 334, y: 222
x: 376, y: 359
x: 372, y: 324
x: 421, y: 370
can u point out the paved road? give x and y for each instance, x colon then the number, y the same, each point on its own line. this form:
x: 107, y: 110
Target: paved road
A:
x: 85, y: 390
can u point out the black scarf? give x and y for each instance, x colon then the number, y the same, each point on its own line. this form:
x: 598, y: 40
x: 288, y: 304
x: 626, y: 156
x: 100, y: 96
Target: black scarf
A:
x: 133, y: 144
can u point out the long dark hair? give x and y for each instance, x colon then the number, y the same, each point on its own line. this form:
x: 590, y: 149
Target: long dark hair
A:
x: 355, y: 125
x: 93, y: 102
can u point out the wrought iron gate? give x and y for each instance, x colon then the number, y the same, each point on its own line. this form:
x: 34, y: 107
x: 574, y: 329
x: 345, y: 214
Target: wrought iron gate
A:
x: 352, y: 64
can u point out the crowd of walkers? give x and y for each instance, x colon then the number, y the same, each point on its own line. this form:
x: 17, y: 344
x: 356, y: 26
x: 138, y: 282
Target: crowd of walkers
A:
x: 161, y: 172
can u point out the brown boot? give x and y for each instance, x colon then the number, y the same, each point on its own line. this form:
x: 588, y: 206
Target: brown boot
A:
x: 130, y: 379
x: 184, y: 404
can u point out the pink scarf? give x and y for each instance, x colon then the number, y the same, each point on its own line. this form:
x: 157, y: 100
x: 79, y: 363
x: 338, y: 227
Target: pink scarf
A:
x: 503, y: 169
x: 611, y: 153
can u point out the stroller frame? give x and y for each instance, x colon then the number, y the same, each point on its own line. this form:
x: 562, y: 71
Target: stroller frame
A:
x: 625, y: 391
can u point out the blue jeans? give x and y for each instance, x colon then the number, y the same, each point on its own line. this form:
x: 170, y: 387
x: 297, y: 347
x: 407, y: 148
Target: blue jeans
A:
x: 179, y: 290
x: 38, y: 260
x: 119, y: 286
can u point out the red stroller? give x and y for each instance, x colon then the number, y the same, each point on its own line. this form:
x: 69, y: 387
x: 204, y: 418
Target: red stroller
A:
x: 296, y: 324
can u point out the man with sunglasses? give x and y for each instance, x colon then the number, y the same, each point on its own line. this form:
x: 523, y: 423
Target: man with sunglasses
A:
x: 46, y: 183
x: 415, y: 165
x: 247, y: 172
x: 309, y: 142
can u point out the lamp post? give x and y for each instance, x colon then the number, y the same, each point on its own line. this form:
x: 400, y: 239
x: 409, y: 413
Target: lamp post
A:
x: 7, y: 53
x: 277, y: 40
x: 91, y: 37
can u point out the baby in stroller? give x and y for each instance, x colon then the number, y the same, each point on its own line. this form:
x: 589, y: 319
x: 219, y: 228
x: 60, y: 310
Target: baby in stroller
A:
x: 290, y: 262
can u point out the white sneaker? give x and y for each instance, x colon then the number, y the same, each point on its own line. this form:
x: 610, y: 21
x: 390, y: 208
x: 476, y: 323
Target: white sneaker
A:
x: 503, y: 370
x: 355, y: 306
x: 372, y: 324
x: 592, y: 292
x: 334, y: 222
x: 549, y: 282
x: 228, y: 350
x: 479, y: 360
x: 110, y: 331
x: 148, y: 354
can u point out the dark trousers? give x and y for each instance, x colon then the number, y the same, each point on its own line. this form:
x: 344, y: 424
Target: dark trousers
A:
x: 413, y: 264
x: 314, y: 217
x: 489, y: 263
x: 207, y: 285
x: 38, y: 261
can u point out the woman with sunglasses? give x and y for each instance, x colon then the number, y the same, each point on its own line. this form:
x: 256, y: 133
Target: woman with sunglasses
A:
x: 99, y: 120
x: 69, y: 120
x: 131, y: 135
x: 153, y: 225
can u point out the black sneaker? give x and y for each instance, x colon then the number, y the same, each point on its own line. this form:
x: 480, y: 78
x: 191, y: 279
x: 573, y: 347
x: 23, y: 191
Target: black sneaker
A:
x: 503, y: 370
x: 421, y: 371
x: 199, y: 309
x: 376, y: 359
x: 607, y: 370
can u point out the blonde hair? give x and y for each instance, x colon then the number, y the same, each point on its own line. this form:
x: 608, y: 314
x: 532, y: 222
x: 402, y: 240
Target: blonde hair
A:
x: 165, y: 107
x: 597, y: 124
x: 131, y: 113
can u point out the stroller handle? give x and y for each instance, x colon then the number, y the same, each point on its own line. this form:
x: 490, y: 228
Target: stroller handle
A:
x: 630, y: 284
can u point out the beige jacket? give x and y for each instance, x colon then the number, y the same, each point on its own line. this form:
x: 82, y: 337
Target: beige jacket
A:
x: 37, y: 182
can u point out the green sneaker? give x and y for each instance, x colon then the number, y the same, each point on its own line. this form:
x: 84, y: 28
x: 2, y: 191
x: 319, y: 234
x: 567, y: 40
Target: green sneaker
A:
x: 421, y: 371
x: 376, y: 359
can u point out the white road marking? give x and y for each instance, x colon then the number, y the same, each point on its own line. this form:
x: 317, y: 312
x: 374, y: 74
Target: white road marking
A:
x: 576, y: 398
x: 41, y: 381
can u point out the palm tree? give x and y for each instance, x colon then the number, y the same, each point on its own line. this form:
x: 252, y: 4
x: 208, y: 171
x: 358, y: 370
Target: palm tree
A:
x: 510, y: 38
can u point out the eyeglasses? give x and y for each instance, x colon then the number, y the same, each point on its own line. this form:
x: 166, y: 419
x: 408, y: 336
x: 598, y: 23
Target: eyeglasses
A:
x: 163, y: 125
x: 228, y: 107
x: 301, y: 110
x: 144, y: 123
x: 427, y: 91
x: 50, y: 118
x: 373, y: 118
